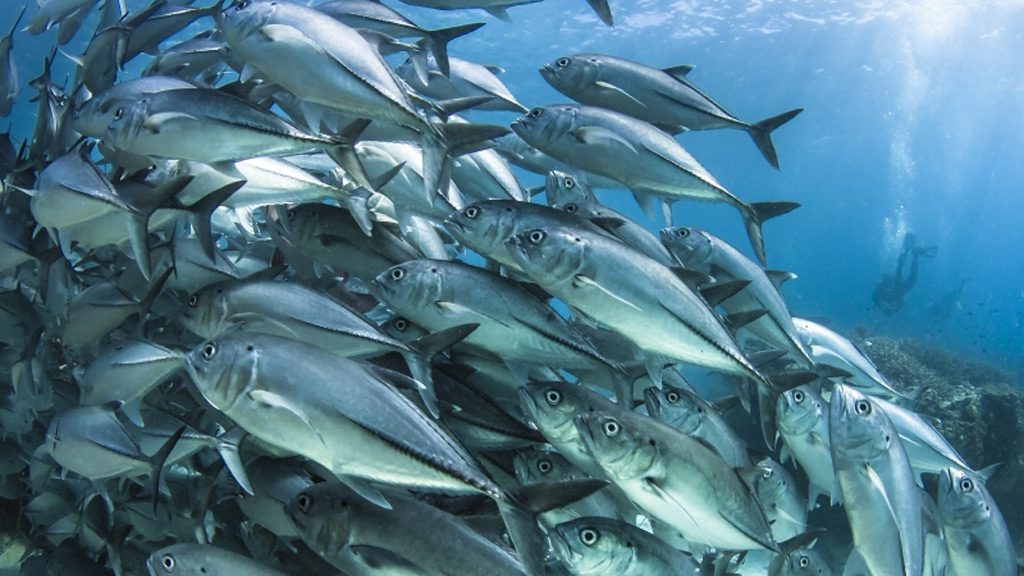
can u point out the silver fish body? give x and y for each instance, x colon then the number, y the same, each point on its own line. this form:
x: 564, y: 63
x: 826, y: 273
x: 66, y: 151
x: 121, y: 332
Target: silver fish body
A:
x: 876, y: 483
x: 802, y: 418
x: 974, y: 530
x: 198, y: 559
x: 598, y: 546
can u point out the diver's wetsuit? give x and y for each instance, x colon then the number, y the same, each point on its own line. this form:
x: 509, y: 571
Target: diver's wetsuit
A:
x: 890, y: 291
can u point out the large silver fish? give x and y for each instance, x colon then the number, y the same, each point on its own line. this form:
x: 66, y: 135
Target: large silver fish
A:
x: 466, y: 79
x: 662, y: 97
x: 676, y: 480
x: 634, y: 295
x: 514, y: 325
x: 973, y: 527
x: 360, y: 427
x: 829, y: 347
x: 876, y: 484
x: 643, y: 158
x: 690, y: 414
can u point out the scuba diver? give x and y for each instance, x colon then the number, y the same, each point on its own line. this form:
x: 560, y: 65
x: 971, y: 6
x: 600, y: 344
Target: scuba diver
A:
x: 890, y: 291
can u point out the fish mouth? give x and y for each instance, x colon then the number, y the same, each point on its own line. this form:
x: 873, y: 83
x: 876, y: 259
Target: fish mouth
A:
x: 452, y: 222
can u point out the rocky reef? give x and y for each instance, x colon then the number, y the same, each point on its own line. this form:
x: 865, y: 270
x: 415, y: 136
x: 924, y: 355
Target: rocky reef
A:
x: 976, y: 406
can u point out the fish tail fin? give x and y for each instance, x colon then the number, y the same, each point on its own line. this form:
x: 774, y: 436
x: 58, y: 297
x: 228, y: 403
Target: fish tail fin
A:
x: 755, y: 214
x: 423, y: 351
x: 201, y: 212
x: 227, y: 447
x: 519, y: 508
x: 604, y: 12
x: 445, y: 141
x: 343, y: 152
x: 761, y: 134
x: 158, y: 285
x: 437, y: 41
x: 159, y: 459
x: 138, y: 221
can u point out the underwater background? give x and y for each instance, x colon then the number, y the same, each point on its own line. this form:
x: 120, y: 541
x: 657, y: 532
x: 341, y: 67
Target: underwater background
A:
x: 912, y: 123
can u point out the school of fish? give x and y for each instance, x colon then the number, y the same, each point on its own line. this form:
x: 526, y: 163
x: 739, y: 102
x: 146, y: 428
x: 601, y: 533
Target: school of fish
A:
x: 272, y: 303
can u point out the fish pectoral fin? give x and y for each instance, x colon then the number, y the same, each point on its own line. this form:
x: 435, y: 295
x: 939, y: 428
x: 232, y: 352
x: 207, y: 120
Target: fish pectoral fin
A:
x: 287, y: 34
x: 651, y: 485
x: 273, y: 400
x: 612, y: 87
x: 879, y: 486
x: 580, y: 281
x: 156, y: 122
x: 461, y: 310
x: 600, y: 135
x: 366, y: 490
x: 383, y: 561
x: 242, y: 318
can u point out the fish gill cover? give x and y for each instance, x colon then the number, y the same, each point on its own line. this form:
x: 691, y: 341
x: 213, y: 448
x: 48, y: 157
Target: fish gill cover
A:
x: 512, y: 286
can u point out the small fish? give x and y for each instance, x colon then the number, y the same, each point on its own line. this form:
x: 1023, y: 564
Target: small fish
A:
x: 202, y: 560
x: 9, y: 85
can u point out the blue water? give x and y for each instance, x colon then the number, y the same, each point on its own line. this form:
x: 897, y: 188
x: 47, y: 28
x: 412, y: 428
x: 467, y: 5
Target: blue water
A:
x: 912, y: 123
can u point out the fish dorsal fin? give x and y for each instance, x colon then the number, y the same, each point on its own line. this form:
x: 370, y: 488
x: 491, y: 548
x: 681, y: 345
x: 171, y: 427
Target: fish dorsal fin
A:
x: 779, y: 277
x: 601, y: 135
x: 693, y: 279
x: 678, y: 72
x: 741, y: 319
x: 499, y: 12
x: 718, y: 293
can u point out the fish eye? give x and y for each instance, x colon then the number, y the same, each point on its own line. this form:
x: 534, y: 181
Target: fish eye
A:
x: 118, y: 113
x: 805, y: 561
x: 397, y: 274
x: 672, y: 396
x: 767, y: 473
x: 193, y: 300
x: 966, y: 485
x: 544, y: 466
x: 553, y: 397
x: 569, y: 183
x: 798, y: 396
x: 305, y: 502
x: 589, y: 536
x: 863, y: 407
x: 537, y: 236
x: 401, y: 324
x: 562, y: 62
x: 535, y: 113
x: 209, y: 350
x: 611, y: 428
x: 570, y: 208
x: 242, y: 5
x: 167, y: 562
x: 682, y: 233
x: 291, y: 214
x: 472, y: 212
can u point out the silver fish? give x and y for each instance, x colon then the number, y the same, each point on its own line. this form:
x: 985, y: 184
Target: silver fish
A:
x: 644, y: 159
x: 514, y: 325
x: 632, y: 294
x: 201, y: 560
x: 973, y: 527
x: 698, y: 249
x: 802, y: 418
x: 9, y: 86
x: 677, y: 480
x: 690, y: 414
x: 876, y: 485
x: 596, y: 546
x: 465, y: 79
x: 664, y: 97
x: 784, y: 505
x: 411, y: 537
x: 829, y: 347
